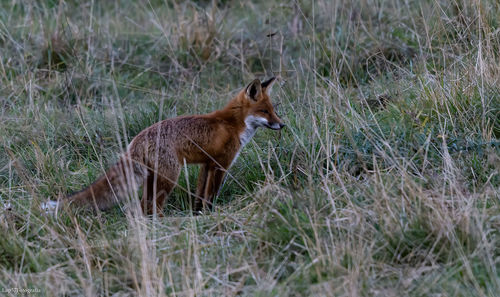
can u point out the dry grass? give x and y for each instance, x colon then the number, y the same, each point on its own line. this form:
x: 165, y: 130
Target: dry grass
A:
x: 385, y: 182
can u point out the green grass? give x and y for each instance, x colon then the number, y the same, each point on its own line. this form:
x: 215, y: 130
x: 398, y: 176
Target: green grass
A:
x: 384, y: 183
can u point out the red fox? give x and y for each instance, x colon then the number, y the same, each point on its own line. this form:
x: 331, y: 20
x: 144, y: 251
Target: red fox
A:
x: 155, y: 157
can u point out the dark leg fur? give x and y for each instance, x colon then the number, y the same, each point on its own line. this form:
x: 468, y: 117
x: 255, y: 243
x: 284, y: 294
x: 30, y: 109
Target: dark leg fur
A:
x: 155, y: 192
x: 209, y: 182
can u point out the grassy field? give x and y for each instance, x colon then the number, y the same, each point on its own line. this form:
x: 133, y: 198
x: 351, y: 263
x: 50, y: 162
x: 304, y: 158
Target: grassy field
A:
x: 384, y: 183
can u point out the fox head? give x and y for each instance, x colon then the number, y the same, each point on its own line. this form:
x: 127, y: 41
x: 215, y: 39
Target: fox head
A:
x: 260, y: 111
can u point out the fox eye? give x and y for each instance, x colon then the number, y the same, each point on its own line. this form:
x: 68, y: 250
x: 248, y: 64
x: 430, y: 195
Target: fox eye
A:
x: 264, y: 111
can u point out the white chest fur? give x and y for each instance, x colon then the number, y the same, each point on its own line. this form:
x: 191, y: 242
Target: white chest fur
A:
x: 247, y: 135
x: 251, y: 125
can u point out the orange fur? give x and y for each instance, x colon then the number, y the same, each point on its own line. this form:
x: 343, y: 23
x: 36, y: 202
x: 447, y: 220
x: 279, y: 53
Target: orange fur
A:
x: 156, y: 155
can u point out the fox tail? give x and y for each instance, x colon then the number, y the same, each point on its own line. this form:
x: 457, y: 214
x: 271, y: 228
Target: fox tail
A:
x: 113, y: 186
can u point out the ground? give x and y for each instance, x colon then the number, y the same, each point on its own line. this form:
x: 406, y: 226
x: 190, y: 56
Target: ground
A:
x: 385, y: 181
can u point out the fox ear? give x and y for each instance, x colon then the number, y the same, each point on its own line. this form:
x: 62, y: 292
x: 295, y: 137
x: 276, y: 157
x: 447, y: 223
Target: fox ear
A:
x: 268, y: 84
x: 254, y: 90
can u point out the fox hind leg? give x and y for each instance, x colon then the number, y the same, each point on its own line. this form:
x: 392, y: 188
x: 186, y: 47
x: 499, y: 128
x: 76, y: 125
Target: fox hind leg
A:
x: 164, y: 188
x: 147, y: 193
x: 200, y: 187
x: 156, y: 189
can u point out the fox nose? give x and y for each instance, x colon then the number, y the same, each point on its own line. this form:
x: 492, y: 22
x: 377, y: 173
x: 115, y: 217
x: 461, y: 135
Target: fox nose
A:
x: 282, y: 125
